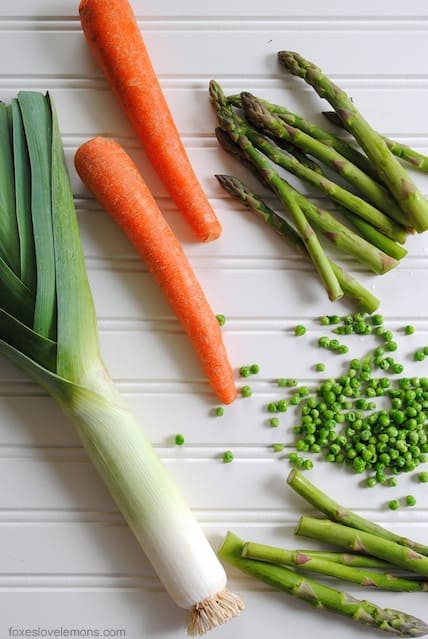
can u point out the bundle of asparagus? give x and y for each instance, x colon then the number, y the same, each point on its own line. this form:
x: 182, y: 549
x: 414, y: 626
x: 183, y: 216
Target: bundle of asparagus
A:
x: 376, y: 553
x: 381, y: 206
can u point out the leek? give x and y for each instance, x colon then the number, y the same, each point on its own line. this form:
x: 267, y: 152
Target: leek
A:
x: 48, y: 328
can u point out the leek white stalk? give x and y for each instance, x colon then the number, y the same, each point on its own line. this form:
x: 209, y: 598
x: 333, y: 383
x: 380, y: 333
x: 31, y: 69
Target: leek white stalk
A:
x: 48, y: 328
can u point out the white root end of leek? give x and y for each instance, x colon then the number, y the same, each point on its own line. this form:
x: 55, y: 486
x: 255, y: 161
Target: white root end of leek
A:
x: 214, y: 611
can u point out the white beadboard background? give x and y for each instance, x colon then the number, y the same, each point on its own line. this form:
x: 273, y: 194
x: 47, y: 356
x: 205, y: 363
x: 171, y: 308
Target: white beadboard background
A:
x: 67, y: 560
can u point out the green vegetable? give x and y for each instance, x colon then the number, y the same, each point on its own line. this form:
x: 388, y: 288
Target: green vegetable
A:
x: 299, y: 330
x: 278, y: 448
x: 394, y: 504
x: 286, y: 194
x: 221, y: 319
x: 377, y: 195
x: 254, y: 369
x: 327, y: 138
x: 387, y: 166
x: 365, y: 209
x: 416, y: 159
x: 306, y: 561
x: 317, y: 498
x: 410, y: 500
x: 246, y: 391
x: 179, y: 440
x: 219, y: 411
x: 423, y: 477
x: 409, y: 329
x: 244, y: 371
x: 228, y: 456
x: 320, y: 367
x: 274, y: 422
x: 318, y: 595
x: 349, y: 285
x: 50, y: 333
x: 357, y: 540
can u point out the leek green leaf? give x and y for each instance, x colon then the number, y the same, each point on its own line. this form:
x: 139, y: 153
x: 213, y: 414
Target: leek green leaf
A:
x: 77, y: 336
x: 39, y: 348
x: 15, y: 297
x: 23, y: 198
x: 36, y: 117
x: 9, y: 245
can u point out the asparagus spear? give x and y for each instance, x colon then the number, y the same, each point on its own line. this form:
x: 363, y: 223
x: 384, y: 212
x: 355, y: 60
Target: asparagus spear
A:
x: 416, y: 159
x: 299, y: 155
x: 284, y: 192
x: 389, y: 169
x: 338, y: 513
x: 342, y: 147
x: 349, y: 200
x: 350, y: 286
x: 348, y: 559
x: 353, y: 539
x: 321, y: 596
x: 304, y: 561
x: 336, y: 232
x: 367, y: 230
x: 372, y: 190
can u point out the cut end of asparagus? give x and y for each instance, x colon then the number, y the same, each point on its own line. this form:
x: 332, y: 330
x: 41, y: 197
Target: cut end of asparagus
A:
x: 214, y: 611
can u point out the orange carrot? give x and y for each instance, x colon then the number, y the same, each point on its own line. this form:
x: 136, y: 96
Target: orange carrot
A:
x: 115, y: 39
x: 109, y: 173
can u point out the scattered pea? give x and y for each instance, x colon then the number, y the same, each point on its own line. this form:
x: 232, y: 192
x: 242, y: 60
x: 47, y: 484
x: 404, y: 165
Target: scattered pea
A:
x: 219, y: 411
x: 410, y: 500
x: 254, y: 369
x: 278, y: 448
x: 274, y: 422
x: 228, y: 457
x: 244, y: 371
x: 409, y: 329
x: 221, y: 319
x: 246, y: 391
x: 299, y: 330
x: 394, y: 504
x: 179, y: 440
x: 423, y: 477
x: 320, y: 367
x: 308, y: 464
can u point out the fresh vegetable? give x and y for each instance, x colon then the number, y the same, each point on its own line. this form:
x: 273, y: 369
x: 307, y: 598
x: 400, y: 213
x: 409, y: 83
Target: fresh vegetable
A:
x: 365, y: 542
x: 332, y: 229
x: 389, y: 169
x: 113, y: 178
x: 319, y: 595
x: 115, y: 40
x: 327, y: 138
x: 402, y: 151
x: 282, y: 189
x: 362, y: 214
x: 348, y: 559
x: 337, y: 513
x: 349, y: 284
x: 372, y: 190
x: 302, y: 560
x: 338, y: 419
x: 299, y: 330
x: 57, y: 346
